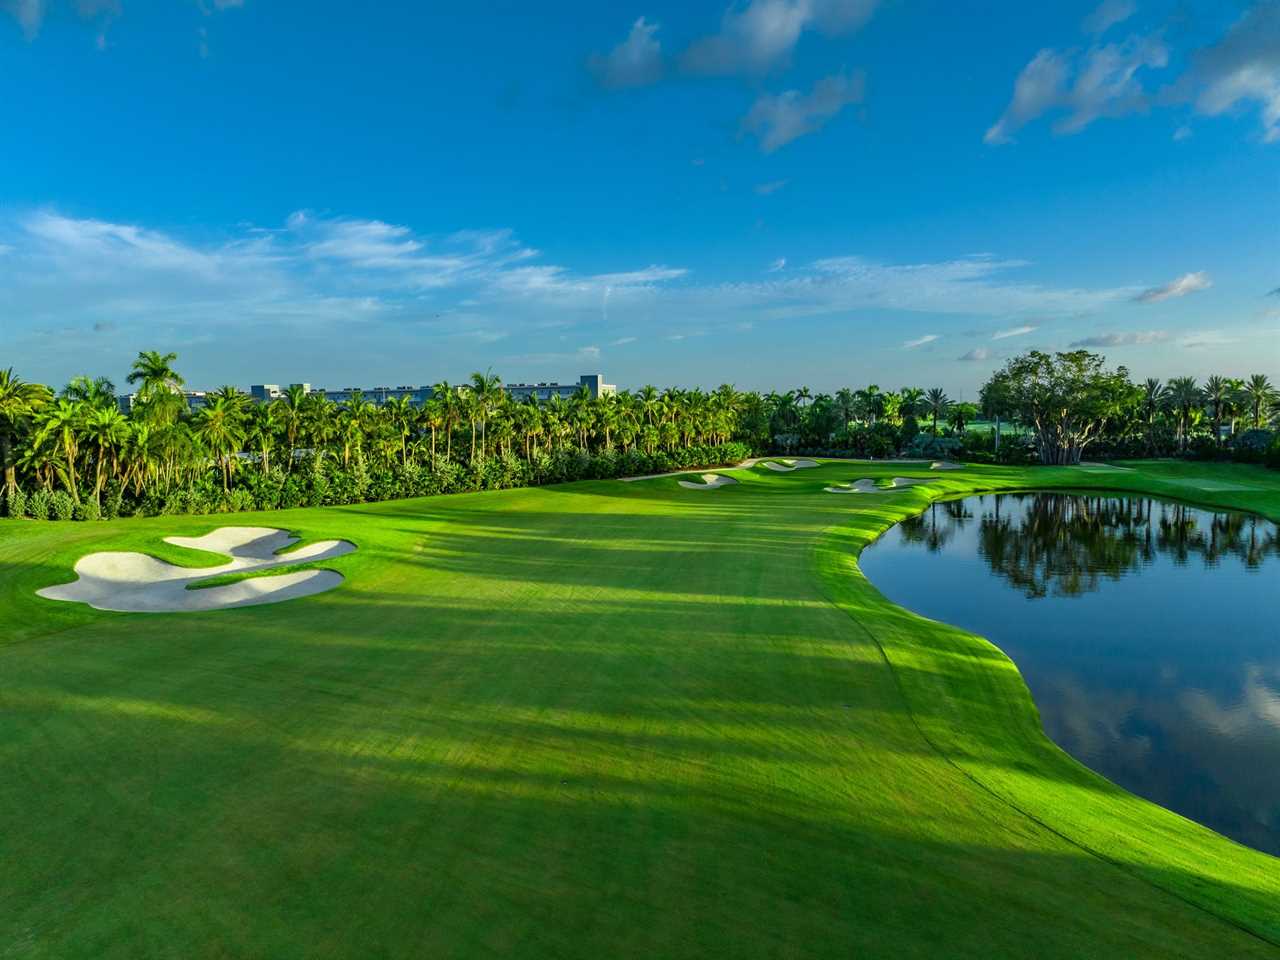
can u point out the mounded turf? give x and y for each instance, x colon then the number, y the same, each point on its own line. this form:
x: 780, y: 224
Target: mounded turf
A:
x: 595, y: 720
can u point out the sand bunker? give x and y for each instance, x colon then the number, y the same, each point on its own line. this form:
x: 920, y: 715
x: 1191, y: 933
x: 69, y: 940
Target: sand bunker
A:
x: 786, y: 466
x: 137, y: 583
x: 869, y: 486
x: 945, y: 465
x: 709, y: 482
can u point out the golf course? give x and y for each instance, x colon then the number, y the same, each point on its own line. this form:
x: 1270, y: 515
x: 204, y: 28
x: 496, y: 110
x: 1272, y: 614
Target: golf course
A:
x: 659, y: 718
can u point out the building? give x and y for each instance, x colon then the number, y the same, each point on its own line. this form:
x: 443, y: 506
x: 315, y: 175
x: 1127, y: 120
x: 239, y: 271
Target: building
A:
x: 196, y: 399
x: 266, y: 392
x: 594, y: 382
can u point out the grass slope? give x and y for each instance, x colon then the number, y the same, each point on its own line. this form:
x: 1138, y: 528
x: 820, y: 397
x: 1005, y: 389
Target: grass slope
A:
x: 602, y: 719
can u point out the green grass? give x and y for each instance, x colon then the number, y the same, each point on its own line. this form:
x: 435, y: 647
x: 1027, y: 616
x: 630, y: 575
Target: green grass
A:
x: 226, y: 579
x: 597, y: 720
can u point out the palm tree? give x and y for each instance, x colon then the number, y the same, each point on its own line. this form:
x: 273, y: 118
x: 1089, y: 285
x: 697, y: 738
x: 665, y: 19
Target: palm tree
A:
x: 61, y: 424
x: 1217, y: 393
x: 107, y: 430
x: 1154, y: 398
x: 260, y: 431
x: 912, y: 404
x: 1183, y: 395
x: 19, y: 403
x: 484, y: 391
x: 220, y: 426
x: 98, y: 393
x: 1259, y: 394
x: 289, y: 409
x: 936, y: 402
x: 161, y: 386
x: 400, y: 412
x: 846, y: 403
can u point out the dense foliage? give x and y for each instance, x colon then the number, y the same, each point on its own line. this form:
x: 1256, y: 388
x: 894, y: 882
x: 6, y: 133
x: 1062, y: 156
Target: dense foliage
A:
x: 75, y: 454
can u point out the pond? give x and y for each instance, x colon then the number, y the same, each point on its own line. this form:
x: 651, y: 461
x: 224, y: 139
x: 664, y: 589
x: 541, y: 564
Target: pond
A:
x: 1146, y: 631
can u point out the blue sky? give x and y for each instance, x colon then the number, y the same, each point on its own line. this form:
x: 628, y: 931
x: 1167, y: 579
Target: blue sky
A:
x: 777, y: 192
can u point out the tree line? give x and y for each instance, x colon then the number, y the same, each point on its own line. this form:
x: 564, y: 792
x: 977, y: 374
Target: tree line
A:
x: 74, y: 453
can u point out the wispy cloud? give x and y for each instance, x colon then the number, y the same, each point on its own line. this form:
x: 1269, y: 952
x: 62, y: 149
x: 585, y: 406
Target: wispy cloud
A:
x: 635, y: 62
x: 976, y: 355
x: 314, y: 275
x: 773, y: 186
x: 1243, y: 67
x: 777, y: 119
x: 1110, y: 80
x: 1107, y: 14
x: 919, y: 341
x: 762, y: 34
x: 1130, y: 339
x: 1102, y: 81
x: 781, y: 264
x: 1014, y: 332
x: 1186, y: 284
x: 28, y: 13
x: 1206, y: 338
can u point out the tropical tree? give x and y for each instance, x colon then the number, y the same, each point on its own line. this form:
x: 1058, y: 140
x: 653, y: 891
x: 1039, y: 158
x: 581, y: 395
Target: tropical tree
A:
x: 159, y: 385
x: 1183, y: 397
x: 1065, y: 398
x: 60, y: 424
x: 1259, y: 395
x: 221, y: 428
x: 936, y: 403
x: 19, y: 404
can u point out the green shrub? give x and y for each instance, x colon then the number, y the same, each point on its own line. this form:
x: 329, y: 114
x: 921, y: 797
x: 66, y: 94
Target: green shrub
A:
x: 16, y: 503
x: 112, y: 502
x: 61, y: 506
x: 88, y: 510
x: 39, y: 504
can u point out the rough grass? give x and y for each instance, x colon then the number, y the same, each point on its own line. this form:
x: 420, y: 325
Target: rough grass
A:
x: 602, y: 719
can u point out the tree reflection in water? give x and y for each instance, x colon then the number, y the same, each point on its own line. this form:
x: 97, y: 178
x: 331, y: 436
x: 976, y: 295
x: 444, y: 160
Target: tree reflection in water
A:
x: 1144, y: 628
x: 1065, y: 544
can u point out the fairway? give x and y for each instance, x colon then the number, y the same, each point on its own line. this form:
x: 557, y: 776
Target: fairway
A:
x: 592, y: 720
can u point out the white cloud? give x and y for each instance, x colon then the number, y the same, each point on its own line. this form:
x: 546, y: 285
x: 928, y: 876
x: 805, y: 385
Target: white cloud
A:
x: 1106, y: 80
x: 760, y: 36
x: 1101, y: 81
x: 293, y: 288
x: 976, y: 355
x: 1186, y: 284
x: 779, y: 264
x: 1130, y: 339
x: 1108, y: 14
x: 1244, y: 67
x: 773, y: 186
x: 28, y: 13
x: 1039, y: 87
x: 1182, y: 133
x: 919, y: 341
x: 1206, y: 338
x: 778, y: 119
x: 1014, y: 332
x: 635, y: 62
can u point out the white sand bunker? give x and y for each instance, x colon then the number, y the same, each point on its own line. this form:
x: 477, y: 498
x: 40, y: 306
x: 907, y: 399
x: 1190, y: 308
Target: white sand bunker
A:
x: 786, y: 466
x: 709, y: 482
x: 137, y: 583
x: 869, y: 486
x: 945, y: 465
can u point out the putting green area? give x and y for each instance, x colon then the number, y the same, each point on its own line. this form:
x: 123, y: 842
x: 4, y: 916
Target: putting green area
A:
x: 598, y: 720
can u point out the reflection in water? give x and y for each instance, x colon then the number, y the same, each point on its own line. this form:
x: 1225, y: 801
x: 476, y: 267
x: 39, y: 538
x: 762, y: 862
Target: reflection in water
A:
x: 1145, y: 629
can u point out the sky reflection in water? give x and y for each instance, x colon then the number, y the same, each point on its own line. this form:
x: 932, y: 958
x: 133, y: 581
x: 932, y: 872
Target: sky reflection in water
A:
x: 1146, y: 630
